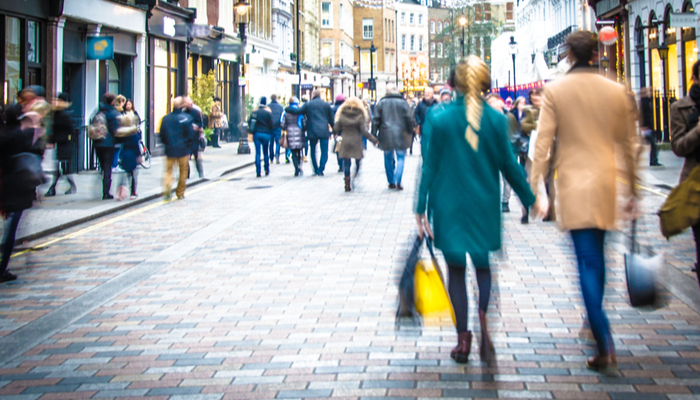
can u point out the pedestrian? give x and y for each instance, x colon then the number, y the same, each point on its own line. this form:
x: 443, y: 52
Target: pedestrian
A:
x: 105, y: 148
x: 685, y: 139
x: 421, y: 112
x: 304, y: 100
x: 177, y: 134
x: 351, y: 124
x: 496, y: 102
x: 393, y: 125
x: 16, y: 194
x: 339, y: 100
x: 445, y: 96
x: 509, y: 104
x: 276, y: 110
x: 528, y: 128
x: 262, y: 134
x: 62, y: 135
x: 224, y: 127
x: 319, y: 117
x: 118, y: 104
x: 129, y: 135
x: 198, y: 122
x: 646, y: 122
x: 587, y: 136
x: 215, y: 122
x: 459, y: 188
x: 293, y: 124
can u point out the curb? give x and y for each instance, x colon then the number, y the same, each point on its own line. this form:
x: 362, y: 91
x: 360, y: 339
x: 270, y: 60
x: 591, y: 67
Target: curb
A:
x: 141, y: 200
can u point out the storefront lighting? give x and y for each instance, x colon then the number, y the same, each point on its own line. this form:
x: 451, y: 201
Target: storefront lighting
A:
x: 462, y: 20
x: 242, y: 7
x: 605, y: 62
x: 663, y: 51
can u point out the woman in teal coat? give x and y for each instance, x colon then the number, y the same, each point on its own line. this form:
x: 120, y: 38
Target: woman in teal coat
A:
x: 460, y: 187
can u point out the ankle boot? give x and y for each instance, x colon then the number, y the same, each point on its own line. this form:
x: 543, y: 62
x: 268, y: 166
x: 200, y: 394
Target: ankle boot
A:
x: 486, y: 348
x: 73, y: 188
x: 606, y: 364
x: 51, y: 191
x: 347, y: 184
x: 464, y: 346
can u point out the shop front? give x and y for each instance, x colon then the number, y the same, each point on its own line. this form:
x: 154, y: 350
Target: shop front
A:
x: 23, y: 35
x: 166, y: 64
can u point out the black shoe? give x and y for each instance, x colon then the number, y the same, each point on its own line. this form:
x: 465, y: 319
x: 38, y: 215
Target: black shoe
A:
x: 267, y: 172
x: 656, y: 164
x: 399, y: 187
x: 525, y: 219
x: 392, y: 186
x: 505, y: 208
x: 320, y: 174
x: 258, y: 176
x: 51, y: 192
x: 8, y: 277
x: 340, y: 170
x: 107, y: 197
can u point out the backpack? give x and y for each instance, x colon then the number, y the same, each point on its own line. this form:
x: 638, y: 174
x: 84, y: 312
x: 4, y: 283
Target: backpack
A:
x: 98, y: 127
x: 253, y: 122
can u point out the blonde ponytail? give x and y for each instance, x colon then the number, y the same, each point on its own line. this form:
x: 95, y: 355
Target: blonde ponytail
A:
x: 472, y: 77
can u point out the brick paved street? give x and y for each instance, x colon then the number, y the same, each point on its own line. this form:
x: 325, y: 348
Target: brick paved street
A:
x: 285, y: 288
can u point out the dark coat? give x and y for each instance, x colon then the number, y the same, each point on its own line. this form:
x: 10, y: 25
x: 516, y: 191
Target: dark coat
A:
x: 177, y: 134
x: 264, y: 122
x: 335, y: 108
x: 392, y: 123
x: 14, y: 141
x: 111, y: 115
x: 318, y: 116
x: 62, y: 133
x: 276, y: 110
x: 461, y: 186
x: 291, y: 119
x: 685, y: 139
x: 420, y: 113
x: 351, y: 124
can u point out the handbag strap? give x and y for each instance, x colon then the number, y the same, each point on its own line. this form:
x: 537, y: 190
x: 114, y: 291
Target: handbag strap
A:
x: 634, y: 246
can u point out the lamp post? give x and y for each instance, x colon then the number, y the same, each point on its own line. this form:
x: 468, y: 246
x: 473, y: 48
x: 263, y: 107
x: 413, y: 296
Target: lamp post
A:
x: 241, y: 9
x: 513, y: 49
x: 355, y: 68
x: 373, y: 84
x: 663, y: 55
x: 359, y: 66
x: 463, y: 22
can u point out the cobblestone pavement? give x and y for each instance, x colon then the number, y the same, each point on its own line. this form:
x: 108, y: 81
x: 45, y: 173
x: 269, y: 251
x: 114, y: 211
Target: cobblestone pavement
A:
x: 285, y: 288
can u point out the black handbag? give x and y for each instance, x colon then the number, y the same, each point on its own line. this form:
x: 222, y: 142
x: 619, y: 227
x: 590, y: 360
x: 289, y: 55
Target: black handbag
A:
x: 26, y: 171
x: 253, y: 122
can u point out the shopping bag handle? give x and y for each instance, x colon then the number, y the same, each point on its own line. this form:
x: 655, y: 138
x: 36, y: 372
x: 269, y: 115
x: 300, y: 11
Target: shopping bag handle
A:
x: 429, y: 244
x: 634, y: 247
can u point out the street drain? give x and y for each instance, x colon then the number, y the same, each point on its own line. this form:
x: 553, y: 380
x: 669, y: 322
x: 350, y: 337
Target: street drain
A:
x: 664, y: 186
x: 258, y: 187
x: 232, y: 180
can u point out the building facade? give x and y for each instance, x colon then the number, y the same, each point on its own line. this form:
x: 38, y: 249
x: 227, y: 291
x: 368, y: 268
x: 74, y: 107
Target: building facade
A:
x: 413, y: 39
x: 283, y: 37
x: 443, y: 47
x: 337, y: 46
x: 375, y: 26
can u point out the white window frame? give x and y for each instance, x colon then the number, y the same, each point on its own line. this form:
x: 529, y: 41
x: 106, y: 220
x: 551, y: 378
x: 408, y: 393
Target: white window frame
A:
x: 331, y: 45
x: 327, y: 23
x: 439, y: 26
x: 439, y: 50
x: 446, y: 26
x: 432, y: 49
x: 411, y: 19
x: 367, y: 23
x: 432, y: 27
x: 341, y: 21
x: 420, y: 43
x: 403, y: 42
x: 420, y: 19
x: 413, y: 42
x: 403, y: 17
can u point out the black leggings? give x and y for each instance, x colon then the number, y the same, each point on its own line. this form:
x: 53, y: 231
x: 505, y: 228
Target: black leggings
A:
x: 696, y: 236
x: 457, y: 287
x: 346, y: 166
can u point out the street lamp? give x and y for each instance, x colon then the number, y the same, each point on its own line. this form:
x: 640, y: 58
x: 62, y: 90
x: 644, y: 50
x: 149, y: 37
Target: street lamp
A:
x: 359, y: 66
x: 513, y: 49
x: 605, y: 63
x: 372, y: 83
x: 241, y: 8
x: 532, y: 56
x: 355, y: 68
x: 663, y: 55
x: 463, y: 22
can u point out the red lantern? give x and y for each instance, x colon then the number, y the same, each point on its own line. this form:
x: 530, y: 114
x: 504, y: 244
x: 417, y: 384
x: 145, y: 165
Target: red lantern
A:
x: 607, y: 35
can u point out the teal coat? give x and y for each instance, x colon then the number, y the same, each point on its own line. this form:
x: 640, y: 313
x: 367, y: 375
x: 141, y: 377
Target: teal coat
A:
x: 461, y: 187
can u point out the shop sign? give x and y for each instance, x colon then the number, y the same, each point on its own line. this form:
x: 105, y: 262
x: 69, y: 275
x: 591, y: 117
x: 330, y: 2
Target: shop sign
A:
x: 606, y: 5
x: 684, y: 20
x: 100, y: 48
x: 325, y: 81
x: 168, y: 26
x: 193, y: 31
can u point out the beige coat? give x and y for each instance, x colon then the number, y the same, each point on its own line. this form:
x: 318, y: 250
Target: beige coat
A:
x: 589, y: 115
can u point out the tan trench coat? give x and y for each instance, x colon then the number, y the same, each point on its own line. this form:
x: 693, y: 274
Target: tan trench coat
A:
x: 589, y: 115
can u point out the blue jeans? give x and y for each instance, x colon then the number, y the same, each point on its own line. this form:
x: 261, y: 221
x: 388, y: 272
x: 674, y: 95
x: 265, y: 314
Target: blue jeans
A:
x: 262, y: 143
x: 275, y: 144
x: 9, y: 242
x: 319, y: 168
x: 115, y: 157
x: 589, y: 245
x: 394, y: 166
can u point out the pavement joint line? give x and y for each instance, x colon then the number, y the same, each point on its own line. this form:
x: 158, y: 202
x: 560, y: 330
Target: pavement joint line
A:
x: 119, y: 218
x: 650, y: 190
x: 32, y: 334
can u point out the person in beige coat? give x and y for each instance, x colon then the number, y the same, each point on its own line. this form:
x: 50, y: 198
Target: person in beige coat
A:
x: 588, y: 115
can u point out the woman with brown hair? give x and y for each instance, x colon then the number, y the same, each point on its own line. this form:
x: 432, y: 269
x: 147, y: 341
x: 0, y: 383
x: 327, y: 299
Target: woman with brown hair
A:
x: 351, y: 125
x: 460, y: 189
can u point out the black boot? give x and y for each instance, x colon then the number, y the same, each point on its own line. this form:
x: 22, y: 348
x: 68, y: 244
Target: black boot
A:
x: 73, y: 188
x: 52, y: 191
x: 526, y: 217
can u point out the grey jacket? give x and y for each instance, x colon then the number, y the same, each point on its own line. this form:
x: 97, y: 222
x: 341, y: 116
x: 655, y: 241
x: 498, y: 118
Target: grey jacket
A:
x: 290, y: 121
x: 393, y: 123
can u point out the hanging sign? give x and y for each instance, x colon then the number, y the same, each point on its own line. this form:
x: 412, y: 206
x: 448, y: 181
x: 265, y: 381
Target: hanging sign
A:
x: 684, y: 20
x: 100, y: 48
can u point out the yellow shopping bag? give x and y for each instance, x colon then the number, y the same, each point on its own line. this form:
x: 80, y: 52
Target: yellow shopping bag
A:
x: 431, y: 299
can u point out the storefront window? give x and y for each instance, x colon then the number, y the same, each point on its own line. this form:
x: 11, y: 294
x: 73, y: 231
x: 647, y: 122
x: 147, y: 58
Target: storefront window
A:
x: 672, y: 71
x: 113, y: 77
x: 691, y: 55
x: 33, y: 42
x: 656, y: 82
x: 12, y: 59
x: 164, y: 84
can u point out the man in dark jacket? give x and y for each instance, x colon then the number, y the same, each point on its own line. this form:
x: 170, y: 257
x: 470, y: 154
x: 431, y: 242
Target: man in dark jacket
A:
x: 177, y: 134
x: 318, y: 116
x: 197, y: 125
x: 276, y: 110
x: 421, y: 110
x: 339, y: 100
x: 105, y: 147
x: 647, y: 125
x: 393, y: 125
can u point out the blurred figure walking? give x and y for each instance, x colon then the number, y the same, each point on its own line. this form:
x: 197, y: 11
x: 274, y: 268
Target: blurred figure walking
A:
x: 646, y: 111
x: 261, y: 122
x: 496, y: 102
x: 319, y: 117
x: 589, y: 116
x: 420, y: 113
x: 129, y: 135
x: 105, y: 148
x: 393, y: 125
x: 276, y: 110
x: 177, y: 134
x: 198, y: 122
x: 215, y: 122
x: 459, y: 188
x: 351, y: 124
x: 339, y: 100
x: 62, y: 136
x: 293, y: 125
x: 685, y: 139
